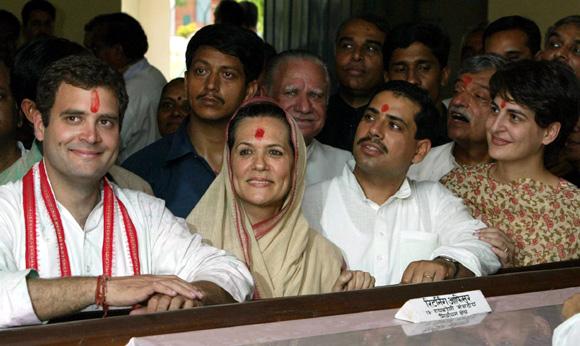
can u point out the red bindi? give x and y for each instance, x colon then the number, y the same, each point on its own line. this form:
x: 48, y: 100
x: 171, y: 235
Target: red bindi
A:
x: 259, y: 133
x: 467, y: 80
x: 95, y: 102
x: 502, y: 105
x: 385, y: 108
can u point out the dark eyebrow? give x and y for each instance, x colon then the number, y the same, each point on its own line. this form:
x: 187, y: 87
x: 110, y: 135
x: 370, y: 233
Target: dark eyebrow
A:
x: 372, y: 110
x: 517, y: 112
x: 397, y: 119
x: 373, y: 42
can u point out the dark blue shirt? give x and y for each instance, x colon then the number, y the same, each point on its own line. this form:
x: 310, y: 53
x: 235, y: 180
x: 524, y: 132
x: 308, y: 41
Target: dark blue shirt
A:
x: 174, y: 170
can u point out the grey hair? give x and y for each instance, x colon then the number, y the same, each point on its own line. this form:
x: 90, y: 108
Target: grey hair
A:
x: 574, y: 19
x: 482, y: 62
x: 272, y: 70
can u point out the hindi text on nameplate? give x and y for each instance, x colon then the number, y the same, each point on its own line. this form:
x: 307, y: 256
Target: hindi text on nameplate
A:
x: 443, y: 307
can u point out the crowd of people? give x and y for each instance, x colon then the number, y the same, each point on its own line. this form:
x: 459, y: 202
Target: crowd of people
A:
x: 249, y: 178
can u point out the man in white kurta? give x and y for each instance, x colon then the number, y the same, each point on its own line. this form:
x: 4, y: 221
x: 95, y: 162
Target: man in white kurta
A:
x: 422, y: 220
x: 166, y: 247
x: 299, y: 81
x: 97, y: 243
x: 397, y: 229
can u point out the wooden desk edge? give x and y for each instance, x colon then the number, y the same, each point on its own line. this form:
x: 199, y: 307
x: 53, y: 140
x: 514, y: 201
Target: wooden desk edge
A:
x: 118, y: 330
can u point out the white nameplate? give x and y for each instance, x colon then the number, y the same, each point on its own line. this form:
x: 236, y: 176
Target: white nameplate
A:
x: 443, y: 307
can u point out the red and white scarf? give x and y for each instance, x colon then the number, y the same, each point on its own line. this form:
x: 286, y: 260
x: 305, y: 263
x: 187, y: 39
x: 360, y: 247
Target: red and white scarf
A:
x: 109, y: 199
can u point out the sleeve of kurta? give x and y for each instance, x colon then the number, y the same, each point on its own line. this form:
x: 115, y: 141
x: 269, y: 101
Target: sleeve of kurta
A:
x: 15, y: 304
x: 455, y: 226
x: 176, y: 251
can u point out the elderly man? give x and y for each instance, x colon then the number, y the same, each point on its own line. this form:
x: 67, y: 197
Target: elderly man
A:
x: 359, y: 68
x: 223, y: 63
x: 299, y: 81
x: 394, y: 228
x: 71, y: 239
x: 468, y: 111
x: 513, y: 37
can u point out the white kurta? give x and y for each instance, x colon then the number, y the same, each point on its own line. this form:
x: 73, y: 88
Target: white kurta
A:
x: 166, y: 247
x: 324, y: 162
x: 567, y: 333
x: 144, y: 84
x: 438, y: 162
x: 421, y: 221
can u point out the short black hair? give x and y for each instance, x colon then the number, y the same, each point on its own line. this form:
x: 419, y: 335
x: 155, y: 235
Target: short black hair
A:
x: 82, y: 71
x: 9, y: 33
x: 549, y: 88
x: 527, y: 26
x: 10, y: 25
x: 426, y: 118
x: 431, y: 35
x: 574, y: 19
x: 250, y: 14
x: 120, y: 28
x: 258, y: 109
x: 231, y: 40
x: 32, y: 58
x: 229, y: 12
x: 37, y: 5
x: 378, y: 21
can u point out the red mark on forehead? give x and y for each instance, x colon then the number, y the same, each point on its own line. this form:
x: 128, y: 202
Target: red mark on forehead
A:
x: 259, y: 133
x: 467, y: 80
x: 502, y: 105
x: 385, y: 108
x: 95, y: 102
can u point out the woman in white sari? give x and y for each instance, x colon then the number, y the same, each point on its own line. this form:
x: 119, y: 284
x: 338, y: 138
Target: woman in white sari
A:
x: 253, y: 208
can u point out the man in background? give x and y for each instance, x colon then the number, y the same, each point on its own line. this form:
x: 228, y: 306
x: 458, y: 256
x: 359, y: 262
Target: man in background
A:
x: 119, y: 40
x: 299, y: 81
x: 359, y: 67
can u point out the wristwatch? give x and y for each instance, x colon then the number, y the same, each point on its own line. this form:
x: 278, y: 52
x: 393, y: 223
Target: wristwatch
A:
x: 450, y: 260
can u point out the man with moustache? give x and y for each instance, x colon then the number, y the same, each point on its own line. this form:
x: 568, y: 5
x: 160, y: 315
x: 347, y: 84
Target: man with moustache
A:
x: 71, y: 239
x: 359, y: 68
x: 468, y: 111
x: 397, y: 229
x: 299, y: 81
x: 223, y: 63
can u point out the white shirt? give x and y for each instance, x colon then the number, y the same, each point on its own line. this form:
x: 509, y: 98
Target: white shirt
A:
x: 144, y: 84
x: 438, y: 162
x: 567, y: 333
x: 324, y: 162
x: 421, y: 221
x: 166, y: 247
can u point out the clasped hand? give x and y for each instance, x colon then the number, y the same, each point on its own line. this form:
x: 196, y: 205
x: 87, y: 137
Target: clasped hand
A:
x: 161, y: 293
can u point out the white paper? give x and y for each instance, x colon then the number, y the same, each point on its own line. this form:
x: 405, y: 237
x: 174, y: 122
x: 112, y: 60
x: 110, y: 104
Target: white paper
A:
x: 412, y: 329
x: 443, y: 307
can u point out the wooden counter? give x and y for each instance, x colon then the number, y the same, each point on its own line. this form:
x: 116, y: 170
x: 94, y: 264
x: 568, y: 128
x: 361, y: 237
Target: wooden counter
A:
x: 118, y: 330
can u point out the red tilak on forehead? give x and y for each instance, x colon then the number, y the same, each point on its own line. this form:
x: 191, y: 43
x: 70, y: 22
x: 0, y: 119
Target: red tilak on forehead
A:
x: 502, y: 105
x: 95, y: 102
x: 385, y: 108
x: 467, y: 80
x: 259, y: 133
